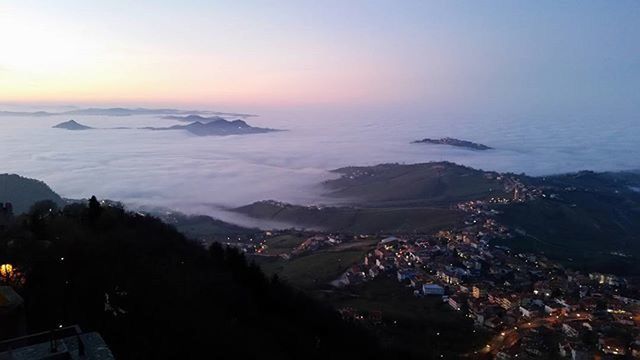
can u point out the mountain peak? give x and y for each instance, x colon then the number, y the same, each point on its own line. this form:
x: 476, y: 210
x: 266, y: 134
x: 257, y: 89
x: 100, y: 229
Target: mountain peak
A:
x: 72, y: 125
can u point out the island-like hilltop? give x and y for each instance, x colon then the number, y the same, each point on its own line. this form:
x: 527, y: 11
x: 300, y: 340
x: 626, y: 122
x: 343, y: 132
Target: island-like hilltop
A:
x: 72, y: 125
x: 216, y: 126
x: 453, y: 142
x: 194, y: 118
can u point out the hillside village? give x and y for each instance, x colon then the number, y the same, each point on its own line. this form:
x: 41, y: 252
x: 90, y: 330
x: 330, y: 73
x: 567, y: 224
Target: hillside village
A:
x: 530, y: 305
x: 533, y: 307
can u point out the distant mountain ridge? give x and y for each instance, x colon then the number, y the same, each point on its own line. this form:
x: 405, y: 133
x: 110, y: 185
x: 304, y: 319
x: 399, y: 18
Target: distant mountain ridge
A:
x: 218, y: 127
x: 194, y: 118
x: 23, y: 192
x: 453, y: 142
x: 117, y: 111
x: 72, y: 125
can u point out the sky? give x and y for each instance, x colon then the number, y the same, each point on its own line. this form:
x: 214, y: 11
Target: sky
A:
x: 489, y: 57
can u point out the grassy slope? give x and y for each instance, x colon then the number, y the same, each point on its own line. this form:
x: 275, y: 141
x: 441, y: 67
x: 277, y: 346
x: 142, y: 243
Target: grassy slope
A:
x: 582, y: 226
x: 356, y: 220
x: 317, y: 269
x: 413, y: 323
x: 284, y: 243
x: 410, y: 185
x: 206, y: 227
x: 389, y: 198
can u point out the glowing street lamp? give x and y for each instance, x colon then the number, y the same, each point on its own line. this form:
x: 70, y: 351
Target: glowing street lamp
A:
x: 6, y: 271
x: 10, y: 275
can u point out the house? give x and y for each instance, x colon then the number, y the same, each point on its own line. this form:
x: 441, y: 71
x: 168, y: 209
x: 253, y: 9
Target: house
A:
x: 432, y: 289
x: 389, y: 240
x: 493, y: 322
x: 454, y: 302
x: 508, y: 302
x: 478, y: 292
x: 405, y: 274
x: 569, y: 331
x: 551, y: 309
x: 612, y: 346
x: 526, y: 312
x: 448, y: 277
x: 341, y: 281
x: 606, y: 279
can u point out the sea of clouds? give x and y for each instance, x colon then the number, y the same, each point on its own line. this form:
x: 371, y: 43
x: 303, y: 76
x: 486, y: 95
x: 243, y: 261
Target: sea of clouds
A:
x: 181, y: 171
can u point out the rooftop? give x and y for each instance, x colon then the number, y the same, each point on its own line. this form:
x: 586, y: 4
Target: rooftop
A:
x: 66, y: 343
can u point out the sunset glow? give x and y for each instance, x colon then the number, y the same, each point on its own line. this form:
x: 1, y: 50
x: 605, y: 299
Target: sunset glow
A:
x: 361, y: 53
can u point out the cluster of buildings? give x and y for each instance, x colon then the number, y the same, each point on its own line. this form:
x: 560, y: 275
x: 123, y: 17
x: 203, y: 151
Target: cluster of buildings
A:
x: 533, y: 307
x: 262, y: 244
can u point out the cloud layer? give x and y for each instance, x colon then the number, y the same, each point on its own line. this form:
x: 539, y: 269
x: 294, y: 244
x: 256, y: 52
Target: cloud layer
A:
x: 199, y: 174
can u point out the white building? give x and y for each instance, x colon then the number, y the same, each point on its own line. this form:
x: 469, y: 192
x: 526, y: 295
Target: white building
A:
x: 432, y: 289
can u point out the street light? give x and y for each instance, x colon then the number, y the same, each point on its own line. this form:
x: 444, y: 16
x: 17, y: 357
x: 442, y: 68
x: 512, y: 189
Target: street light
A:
x: 6, y: 270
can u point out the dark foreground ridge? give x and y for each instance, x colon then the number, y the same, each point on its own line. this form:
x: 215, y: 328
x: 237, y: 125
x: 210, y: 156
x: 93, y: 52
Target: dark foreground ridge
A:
x: 152, y: 294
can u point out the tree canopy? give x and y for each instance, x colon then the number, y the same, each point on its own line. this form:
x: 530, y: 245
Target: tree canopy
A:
x: 152, y: 293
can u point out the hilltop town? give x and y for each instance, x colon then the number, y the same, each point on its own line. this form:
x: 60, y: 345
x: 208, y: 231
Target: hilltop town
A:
x: 530, y: 305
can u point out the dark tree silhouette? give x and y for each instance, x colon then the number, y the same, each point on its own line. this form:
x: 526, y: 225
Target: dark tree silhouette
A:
x: 94, y: 208
x: 153, y: 294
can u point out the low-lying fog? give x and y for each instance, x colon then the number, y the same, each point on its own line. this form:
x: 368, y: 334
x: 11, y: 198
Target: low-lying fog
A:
x: 194, y: 174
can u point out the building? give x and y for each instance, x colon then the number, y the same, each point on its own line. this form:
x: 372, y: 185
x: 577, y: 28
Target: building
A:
x: 526, y: 312
x: 448, y: 277
x: 612, y: 346
x: 454, y: 303
x: 569, y: 330
x: 432, y: 289
x: 66, y: 343
x: 478, y: 292
x: 405, y: 274
x: 508, y: 302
